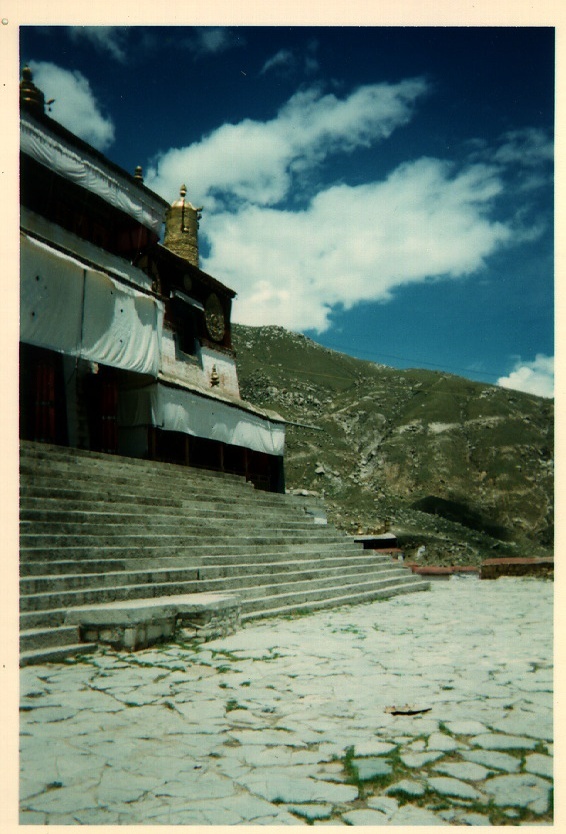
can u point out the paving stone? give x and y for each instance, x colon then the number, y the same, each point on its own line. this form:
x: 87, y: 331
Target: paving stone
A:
x: 406, y: 787
x: 468, y: 771
x: 440, y: 741
x: 277, y: 757
x: 447, y: 786
x: 537, y: 726
x: 277, y: 785
x: 371, y: 768
x: 420, y: 759
x: 499, y: 741
x: 493, y: 760
x: 386, y: 804
x: 417, y: 746
x: 48, y: 714
x: 32, y: 817
x: 412, y: 815
x: 62, y: 800
x: 196, y: 785
x: 311, y: 811
x: 374, y: 748
x: 473, y: 819
x: 364, y: 817
x: 539, y: 764
x: 522, y: 790
x: 466, y: 728
x: 198, y: 764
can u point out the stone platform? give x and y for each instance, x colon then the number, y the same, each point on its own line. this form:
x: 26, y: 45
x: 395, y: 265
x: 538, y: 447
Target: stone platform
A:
x: 137, y: 624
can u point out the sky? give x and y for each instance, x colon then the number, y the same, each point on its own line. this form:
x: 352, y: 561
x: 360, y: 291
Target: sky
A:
x: 388, y: 191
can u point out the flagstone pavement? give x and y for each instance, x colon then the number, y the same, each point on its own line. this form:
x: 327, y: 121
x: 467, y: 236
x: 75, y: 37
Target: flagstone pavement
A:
x: 289, y: 721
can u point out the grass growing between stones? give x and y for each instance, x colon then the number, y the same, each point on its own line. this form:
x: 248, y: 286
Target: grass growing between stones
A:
x: 432, y: 800
x: 232, y: 704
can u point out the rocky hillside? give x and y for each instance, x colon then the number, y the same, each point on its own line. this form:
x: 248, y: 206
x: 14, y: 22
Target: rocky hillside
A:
x: 458, y: 470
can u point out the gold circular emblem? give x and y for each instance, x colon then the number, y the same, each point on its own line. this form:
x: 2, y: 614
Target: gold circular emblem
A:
x: 214, y: 317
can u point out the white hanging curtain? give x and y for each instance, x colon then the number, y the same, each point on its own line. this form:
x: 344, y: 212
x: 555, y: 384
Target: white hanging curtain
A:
x: 175, y: 409
x: 67, y: 307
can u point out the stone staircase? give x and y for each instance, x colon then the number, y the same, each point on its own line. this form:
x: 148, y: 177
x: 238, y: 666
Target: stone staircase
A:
x: 97, y: 528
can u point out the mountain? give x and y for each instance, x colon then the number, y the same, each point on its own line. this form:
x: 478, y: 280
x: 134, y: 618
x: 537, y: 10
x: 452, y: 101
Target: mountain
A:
x: 458, y: 470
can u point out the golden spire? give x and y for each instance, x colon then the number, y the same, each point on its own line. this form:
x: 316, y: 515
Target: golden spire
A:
x: 181, y: 228
x: 30, y: 96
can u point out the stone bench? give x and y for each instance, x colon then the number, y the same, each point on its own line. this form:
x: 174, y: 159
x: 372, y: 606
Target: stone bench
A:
x: 136, y: 624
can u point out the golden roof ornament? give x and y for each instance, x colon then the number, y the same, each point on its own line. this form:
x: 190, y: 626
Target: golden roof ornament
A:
x: 31, y: 96
x: 181, y: 228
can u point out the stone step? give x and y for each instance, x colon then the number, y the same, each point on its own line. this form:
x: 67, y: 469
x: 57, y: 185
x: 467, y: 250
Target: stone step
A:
x: 86, y: 596
x: 49, y: 509
x: 68, y: 598
x: 61, y: 456
x: 181, y: 496
x: 43, y: 619
x: 203, y: 552
x: 275, y: 606
x: 81, y: 525
x: 107, y: 579
x: 247, y: 586
x: 81, y: 581
x: 55, y: 654
x: 119, y: 502
x: 294, y: 594
x: 41, y: 638
x: 253, y: 603
x: 98, y: 529
x: 219, y: 540
x: 222, y: 566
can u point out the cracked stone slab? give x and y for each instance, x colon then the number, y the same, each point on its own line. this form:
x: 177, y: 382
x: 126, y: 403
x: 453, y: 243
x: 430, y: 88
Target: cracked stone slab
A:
x: 412, y: 815
x: 374, y: 748
x: 62, y: 800
x: 466, y: 728
x: 386, y: 804
x: 420, y: 759
x: 440, y: 741
x: 280, y: 786
x: 364, y: 817
x: 540, y: 765
x: 448, y: 786
x: 493, y: 760
x: 311, y: 811
x: 371, y: 768
x: 467, y: 771
x: 521, y: 790
x: 500, y: 741
x: 406, y: 787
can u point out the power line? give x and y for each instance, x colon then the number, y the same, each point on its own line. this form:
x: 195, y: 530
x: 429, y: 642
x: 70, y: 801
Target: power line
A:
x: 418, y: 362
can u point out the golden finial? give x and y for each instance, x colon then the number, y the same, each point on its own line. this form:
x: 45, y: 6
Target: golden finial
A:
x: 30, y: 96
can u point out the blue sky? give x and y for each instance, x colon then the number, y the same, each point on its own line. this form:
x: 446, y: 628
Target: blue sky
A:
x: 387, y: 191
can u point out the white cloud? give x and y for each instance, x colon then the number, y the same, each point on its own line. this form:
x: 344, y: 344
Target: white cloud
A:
x: 257, y: 162
x: 211, y: 40
x: 530, y: 147
x: 111, y: 39
x: 532, y: 377
x: 354, y: 244
x: 282, y: 59
x: 75, y: 106
x: 348, y: 244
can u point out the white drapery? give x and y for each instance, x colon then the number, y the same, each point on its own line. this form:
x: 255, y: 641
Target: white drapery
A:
x: 71, y: 308
x: 176, y: 409
x: 90, y: 173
